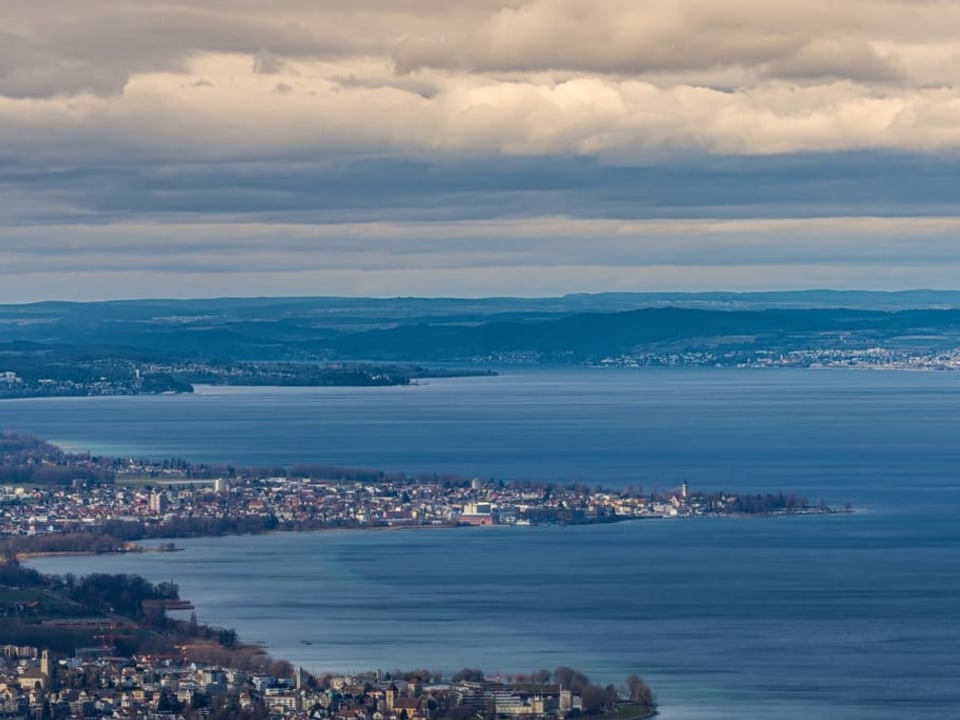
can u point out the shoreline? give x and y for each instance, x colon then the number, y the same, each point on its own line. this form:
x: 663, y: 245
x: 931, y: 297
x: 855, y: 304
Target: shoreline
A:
x: 128, y: 548
x: 235, y: 652
x: 168, y: 546
x: 426, y: 380
x: 28, y: 555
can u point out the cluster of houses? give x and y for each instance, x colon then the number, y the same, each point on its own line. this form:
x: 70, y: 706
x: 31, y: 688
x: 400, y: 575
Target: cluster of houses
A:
x: 34, y: 686
x: 312, y: 503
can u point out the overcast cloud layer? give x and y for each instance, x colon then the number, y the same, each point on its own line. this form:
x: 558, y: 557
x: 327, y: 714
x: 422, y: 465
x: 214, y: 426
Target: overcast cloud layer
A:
x: 210, y: 147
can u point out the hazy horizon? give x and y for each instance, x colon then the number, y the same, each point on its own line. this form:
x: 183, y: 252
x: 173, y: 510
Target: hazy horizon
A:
x: 664, y: 295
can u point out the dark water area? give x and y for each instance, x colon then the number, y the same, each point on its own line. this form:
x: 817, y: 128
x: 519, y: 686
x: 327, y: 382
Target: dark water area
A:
x: 849, y: 617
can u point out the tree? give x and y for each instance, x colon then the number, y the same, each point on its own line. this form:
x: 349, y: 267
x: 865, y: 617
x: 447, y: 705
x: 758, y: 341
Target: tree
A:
x: 597, y: 699
x: 570, y: 679
x: 468, y: 675
x: 281, y: 669
x: 461, y: 712
x: 639, y: 691
x: 541, y: 677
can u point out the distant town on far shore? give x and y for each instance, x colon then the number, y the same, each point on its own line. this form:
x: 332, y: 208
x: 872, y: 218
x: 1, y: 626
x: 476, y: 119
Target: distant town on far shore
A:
x: 165, y: 346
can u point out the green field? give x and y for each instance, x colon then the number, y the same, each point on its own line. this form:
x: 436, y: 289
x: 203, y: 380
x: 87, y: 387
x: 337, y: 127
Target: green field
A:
x: 630, y: 713
x: 51, y: 606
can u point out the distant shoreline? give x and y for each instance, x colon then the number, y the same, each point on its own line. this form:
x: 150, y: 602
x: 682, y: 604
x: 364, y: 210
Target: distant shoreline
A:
x: 72, y: 377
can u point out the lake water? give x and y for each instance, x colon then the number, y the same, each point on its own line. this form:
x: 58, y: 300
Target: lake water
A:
x: 848, y: 617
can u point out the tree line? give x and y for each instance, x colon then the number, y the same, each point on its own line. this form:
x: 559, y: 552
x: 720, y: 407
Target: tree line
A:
x: 596, y: 698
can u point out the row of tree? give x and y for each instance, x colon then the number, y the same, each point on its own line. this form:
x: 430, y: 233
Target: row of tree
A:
x: 597, y: 699
x: 768, y: 503
x: 118, y: 594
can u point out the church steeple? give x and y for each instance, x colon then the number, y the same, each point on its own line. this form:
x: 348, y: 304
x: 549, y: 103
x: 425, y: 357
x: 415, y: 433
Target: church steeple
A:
x: 46, y: 672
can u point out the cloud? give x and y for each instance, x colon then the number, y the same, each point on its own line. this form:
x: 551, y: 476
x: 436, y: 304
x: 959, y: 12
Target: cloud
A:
x: 531, y: 256
x: 411, y: 125
x: 613, y: 78
x: 445, y: 245
x: 318, y: 188
x: 128, y: 37
x: 29, y: 71
x: 818, y: 37
x: 836, y: 58
x: 267, y: 63
x: 626, y: 120
x: 552, y: 280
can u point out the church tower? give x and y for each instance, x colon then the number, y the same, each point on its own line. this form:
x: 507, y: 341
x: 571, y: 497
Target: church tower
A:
x: 46, y: 671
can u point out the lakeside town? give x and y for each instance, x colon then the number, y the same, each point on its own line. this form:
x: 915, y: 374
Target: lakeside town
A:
x: 63, y: 501
x: 95, y: 684
x: 853, y: 358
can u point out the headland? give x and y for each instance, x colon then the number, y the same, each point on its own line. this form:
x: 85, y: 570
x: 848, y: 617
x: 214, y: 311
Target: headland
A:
x: 55, y: 501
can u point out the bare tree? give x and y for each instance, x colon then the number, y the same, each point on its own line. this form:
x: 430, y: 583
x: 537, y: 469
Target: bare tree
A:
x: 640, y: 692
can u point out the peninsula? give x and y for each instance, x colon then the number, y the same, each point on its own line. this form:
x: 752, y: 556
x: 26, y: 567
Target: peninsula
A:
x: 55, y: 501
x: 34, y: 372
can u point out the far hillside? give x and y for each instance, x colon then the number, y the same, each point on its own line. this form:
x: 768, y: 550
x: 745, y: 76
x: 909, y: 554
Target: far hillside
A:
x: 167, y: 345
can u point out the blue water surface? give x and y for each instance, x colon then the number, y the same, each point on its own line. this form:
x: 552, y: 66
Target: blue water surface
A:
x: 848, y: 617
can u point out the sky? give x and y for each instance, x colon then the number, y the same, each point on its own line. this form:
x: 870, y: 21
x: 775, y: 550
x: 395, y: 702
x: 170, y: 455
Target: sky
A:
x: 198, y: 148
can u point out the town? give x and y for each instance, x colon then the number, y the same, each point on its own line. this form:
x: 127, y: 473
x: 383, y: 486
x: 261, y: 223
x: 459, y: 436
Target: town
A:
x: 65, y: 501
x: 863, y: 358
x: 93, y: 683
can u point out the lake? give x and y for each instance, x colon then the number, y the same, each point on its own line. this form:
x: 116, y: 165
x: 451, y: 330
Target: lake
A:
x: 848, y: 617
